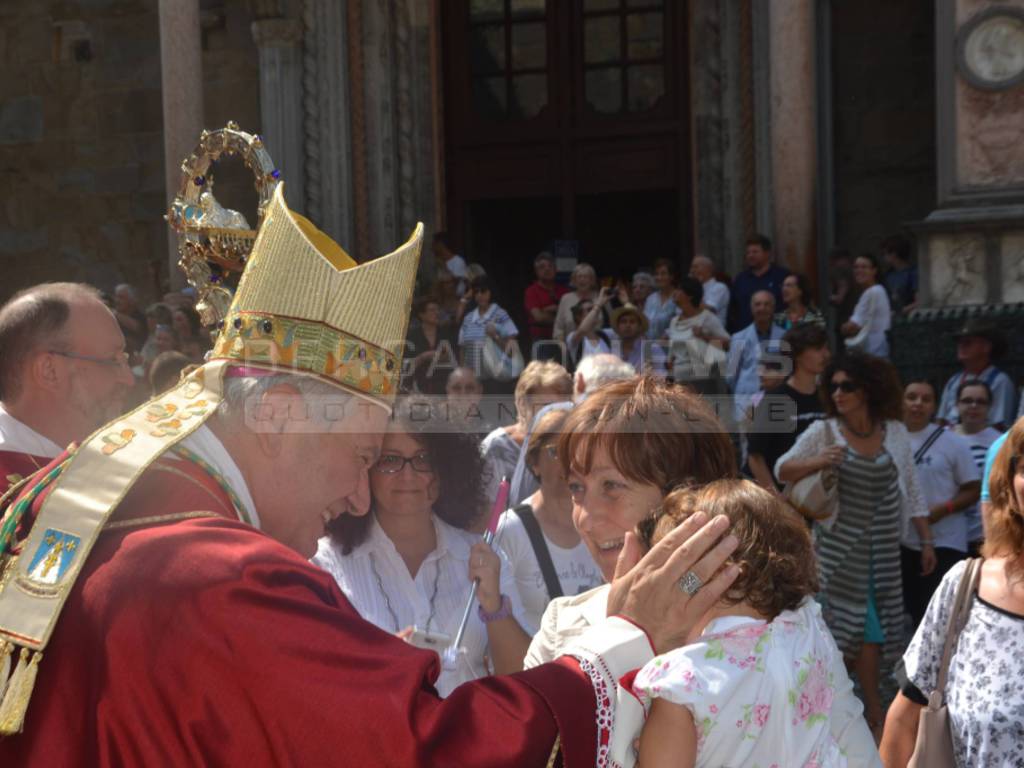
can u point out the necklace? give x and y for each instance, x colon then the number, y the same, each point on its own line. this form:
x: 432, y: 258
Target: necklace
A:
x: 861, y: 435
x: 387, y: 599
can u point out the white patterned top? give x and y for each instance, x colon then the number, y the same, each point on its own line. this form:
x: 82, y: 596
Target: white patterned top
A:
x: 761, y: 693
x: 985, y: 687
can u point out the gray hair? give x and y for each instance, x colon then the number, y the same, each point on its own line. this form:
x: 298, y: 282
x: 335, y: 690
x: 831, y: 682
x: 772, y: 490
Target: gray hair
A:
x: 644, y: 277
x: 35, y: 318
x: 579, y: 269
x: 242, y: 394
x: 598, y: 370
x: 126, y: 288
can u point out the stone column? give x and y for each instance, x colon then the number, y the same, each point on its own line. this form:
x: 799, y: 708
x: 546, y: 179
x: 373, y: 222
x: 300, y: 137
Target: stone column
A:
x: 326, y: 99
x: 721, y: 188
x: 791, y: 26
x: 181, y: 76
x: 279, y: 42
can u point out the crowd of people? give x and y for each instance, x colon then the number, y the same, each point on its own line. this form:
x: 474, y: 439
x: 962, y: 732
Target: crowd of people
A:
x: 617, y: 434
x: 705, y: 328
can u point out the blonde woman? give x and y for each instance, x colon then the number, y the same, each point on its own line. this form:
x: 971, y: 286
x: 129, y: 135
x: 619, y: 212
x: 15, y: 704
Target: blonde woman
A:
x: 584, y: 286
x: 539, y: 384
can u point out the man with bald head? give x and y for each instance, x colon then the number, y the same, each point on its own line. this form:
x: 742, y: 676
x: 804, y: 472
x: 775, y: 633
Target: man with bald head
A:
x: 716, y: 294
x: 63, y: 373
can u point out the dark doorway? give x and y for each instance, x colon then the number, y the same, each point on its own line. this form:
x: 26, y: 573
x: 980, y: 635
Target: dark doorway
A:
x: 621, y: 232
x: 566, y: 121
x: 505, y: 235
x: 883, y: 116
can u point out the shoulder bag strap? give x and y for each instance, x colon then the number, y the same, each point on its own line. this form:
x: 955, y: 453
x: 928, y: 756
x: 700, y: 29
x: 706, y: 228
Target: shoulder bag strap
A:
x: 958, y: 618
x: 540, y: 550
x: 927, y: 445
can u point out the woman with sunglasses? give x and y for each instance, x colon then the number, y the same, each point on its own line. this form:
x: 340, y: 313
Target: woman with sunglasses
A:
x: 859, y: 545
x: 407, y: 566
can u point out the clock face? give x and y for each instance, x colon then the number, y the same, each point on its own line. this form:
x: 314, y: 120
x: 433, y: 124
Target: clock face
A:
x: 992, y: 49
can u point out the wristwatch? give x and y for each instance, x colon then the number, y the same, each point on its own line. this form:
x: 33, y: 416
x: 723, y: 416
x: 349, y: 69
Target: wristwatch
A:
x: 504, y: 612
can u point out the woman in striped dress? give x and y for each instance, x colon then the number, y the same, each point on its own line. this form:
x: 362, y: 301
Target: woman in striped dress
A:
x: 858, y: 546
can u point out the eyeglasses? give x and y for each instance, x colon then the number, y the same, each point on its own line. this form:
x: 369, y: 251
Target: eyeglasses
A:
x: 120, y: 360
x: 846, y: 386
x: 969, y: 401
x: 392, y: 463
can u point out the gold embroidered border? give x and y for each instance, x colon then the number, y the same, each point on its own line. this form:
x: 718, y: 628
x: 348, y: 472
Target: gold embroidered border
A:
x: 141, y: 522
x: 253, y: 338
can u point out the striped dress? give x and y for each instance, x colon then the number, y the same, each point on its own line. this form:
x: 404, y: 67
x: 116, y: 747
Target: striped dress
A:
x: 859, y: 557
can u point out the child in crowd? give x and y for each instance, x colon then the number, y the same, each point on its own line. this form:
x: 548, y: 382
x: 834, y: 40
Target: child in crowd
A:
x: 755, y: 685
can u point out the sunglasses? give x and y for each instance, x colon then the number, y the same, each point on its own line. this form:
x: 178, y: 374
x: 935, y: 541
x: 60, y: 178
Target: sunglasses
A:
x: 969, y: 401
x: 844, y: 386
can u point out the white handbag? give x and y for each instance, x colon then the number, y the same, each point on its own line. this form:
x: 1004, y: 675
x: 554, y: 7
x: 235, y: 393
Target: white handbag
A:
x: 816, y: 496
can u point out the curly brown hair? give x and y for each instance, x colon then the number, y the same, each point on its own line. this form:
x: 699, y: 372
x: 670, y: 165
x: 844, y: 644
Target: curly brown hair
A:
x: 777, y: 564
x: 1004, y: 518
x: 883, y: 391
x: 459, y: 468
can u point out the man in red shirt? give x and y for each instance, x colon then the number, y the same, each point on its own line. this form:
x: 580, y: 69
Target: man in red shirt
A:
x: 542, y: 297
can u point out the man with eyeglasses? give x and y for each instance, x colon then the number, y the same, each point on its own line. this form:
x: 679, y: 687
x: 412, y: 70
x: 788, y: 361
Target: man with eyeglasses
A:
x: 63, y: 373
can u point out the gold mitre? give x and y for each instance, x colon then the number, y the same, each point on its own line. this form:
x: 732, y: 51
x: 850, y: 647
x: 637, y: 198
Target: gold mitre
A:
x: 303, y: 305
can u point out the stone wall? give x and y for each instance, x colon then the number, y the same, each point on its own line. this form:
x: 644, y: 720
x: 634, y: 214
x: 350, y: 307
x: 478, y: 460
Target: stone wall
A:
x: 81, y: 149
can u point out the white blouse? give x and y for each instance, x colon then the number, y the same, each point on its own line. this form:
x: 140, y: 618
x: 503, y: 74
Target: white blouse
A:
x: 874, y: 315
x: 376, y: 581
x: 760, y: 693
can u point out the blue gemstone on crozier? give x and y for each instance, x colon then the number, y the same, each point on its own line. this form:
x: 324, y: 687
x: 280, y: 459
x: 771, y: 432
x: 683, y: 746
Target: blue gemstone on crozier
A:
x: 275, y: 174
x: 199, y: 181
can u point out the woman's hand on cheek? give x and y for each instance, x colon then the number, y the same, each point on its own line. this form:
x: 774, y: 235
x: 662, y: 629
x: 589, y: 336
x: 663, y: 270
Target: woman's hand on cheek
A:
x: 650, y: 595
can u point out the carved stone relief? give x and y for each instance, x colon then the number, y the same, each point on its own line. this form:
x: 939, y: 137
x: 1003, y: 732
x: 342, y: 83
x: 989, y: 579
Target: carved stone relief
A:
x: 989, y: 123
x: 957, y: 270
x: 1012, y: 283
x: 990, y: 131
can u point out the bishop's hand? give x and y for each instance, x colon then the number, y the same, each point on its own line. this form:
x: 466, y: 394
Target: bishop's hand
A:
x: 648, y: 589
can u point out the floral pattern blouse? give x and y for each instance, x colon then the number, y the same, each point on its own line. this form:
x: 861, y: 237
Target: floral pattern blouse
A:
x: 985, y: 688
x: 760, y: 693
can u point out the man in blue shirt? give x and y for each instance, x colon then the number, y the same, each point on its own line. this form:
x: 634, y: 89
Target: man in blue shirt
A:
x: 761, y: 275
x: 746, y: 349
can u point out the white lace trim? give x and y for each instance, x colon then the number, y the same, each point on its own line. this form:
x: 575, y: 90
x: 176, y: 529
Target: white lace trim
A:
x: 605, y: 710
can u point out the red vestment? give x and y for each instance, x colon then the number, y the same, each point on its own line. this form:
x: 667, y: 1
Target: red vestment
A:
x: 203, y: 641
x: 15, y: 466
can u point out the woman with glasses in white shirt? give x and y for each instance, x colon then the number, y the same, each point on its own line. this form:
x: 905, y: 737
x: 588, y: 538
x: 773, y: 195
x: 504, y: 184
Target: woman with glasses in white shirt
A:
x: 407, y: 566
